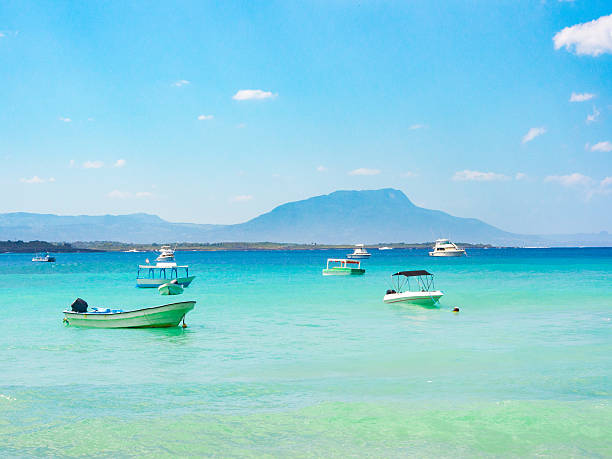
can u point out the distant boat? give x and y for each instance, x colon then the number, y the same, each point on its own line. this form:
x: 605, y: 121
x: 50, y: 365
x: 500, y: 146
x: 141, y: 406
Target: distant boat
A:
x: 341, y: 267
x: 385, y: 248
x: 423, y: 294
x: 445, y: 248
x: 166, y: 254
x: 43, y: 258
x: 167, y: 315
x: 133, y: 251
x: 359, y: 252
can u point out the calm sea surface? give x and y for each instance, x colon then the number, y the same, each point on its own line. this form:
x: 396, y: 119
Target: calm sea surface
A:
x: 281, y: 361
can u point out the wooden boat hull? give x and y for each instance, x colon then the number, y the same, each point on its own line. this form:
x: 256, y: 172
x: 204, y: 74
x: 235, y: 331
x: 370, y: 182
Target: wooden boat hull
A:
x: 168, y: 315
x: 343, y: 271
x: 154, y: 283
x: 420, y: 298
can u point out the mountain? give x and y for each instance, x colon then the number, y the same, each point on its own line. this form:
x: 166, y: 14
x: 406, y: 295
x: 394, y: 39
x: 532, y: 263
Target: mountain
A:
x: 342, y: 217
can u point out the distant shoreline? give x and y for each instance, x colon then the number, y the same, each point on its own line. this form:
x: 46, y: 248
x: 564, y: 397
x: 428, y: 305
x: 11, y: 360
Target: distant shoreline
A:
x: 109, y: 246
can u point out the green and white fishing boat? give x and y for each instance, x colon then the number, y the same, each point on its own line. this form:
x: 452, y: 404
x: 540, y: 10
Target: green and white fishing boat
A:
x: 343, y: 267
x: 170, y: 288
x: 166, y: 315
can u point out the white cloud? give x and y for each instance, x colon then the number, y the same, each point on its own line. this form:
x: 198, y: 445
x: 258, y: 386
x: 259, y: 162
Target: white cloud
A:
x: 607, y: 181
x: 180, y: 83
x: 36, y: 179
x: 364, y: 171
x: 591, y: 38
x: 409, y: 174
x: 533, y: 133
x: 604, y: 146
x: 520, y: 176
x: 321, y: 169
x: 120, y: 163
x: 593, y: 116
x: 241, y: 198
x: 253, y: 94
x: 205, y: 117
x: 65, y: 120
x: 92, y: 164
x: 581, y: 97
x: 241, y: 125
x: 477, y: 176
x: 71, y: 163
x: 417, y: 126
x: 575, y: 179
x: 90, y: 119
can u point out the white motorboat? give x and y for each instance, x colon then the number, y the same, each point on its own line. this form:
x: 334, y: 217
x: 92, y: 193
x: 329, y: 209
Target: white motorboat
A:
x: 167, y: 315
x: 166, y: 254
x: 385, y: 248
x: 43, y: 258
x: 445, y: 248
x: 359, y: 252
x: 423, y: 293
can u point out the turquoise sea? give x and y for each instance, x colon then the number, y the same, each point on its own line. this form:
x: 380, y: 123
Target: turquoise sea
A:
x: 278, y: 360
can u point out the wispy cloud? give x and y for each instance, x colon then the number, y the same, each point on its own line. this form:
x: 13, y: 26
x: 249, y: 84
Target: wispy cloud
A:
x: 417, y: 126
x: 120, y: 163
x: 593, y: 116
x: 179, y: 83
x: 65, y: 120
x: 36, y: 179
x: 117, y: 194
x: 478, y: 176
x: 533, y: 133
x: 241, y: 198
x: 590, y: 38
x: 93, y: 164
x: 364, y: 171
x: 321, y: 169
x: 520, y: 176
x: 205, y: 117
x: 241, y: 125
x: 581, y: 97
x: 253, y: 94
x: 71, y: 163
x: 604, y: 146
x: 570, y: 180
x: 409, y: 174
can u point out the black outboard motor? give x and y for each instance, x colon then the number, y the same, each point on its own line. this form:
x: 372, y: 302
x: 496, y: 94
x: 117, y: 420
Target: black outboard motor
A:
x: 79, y: 305
x: 389, y: 292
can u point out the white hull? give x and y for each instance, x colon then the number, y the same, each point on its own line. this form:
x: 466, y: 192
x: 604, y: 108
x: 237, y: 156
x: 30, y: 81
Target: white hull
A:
x: 154, y: 283
x: 447, y: 253
x: 422, y: 298
x: 353, y: 256
x: 168, y: 315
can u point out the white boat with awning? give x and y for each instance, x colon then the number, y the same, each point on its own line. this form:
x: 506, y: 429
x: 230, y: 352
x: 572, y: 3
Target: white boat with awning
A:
x: 423, y: 293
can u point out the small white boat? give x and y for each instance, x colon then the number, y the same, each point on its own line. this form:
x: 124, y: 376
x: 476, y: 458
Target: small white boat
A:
x: 385, y: 248
x: 167, y: 315
x: 424, y: 293
x: 43, y: 258
x: 166, y: 254
x: 359, y: 252
x: 445, y: 248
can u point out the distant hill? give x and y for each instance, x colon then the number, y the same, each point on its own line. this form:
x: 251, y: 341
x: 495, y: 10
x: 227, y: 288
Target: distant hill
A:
x: 342, y: 217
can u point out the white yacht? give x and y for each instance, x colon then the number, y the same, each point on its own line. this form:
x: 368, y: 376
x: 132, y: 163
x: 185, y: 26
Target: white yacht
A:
x: 445, y: 248
x: 166, y: 254
x: 359, y: 252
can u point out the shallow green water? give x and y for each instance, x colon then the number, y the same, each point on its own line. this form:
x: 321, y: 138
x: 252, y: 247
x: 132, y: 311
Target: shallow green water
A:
x: 279, y: 360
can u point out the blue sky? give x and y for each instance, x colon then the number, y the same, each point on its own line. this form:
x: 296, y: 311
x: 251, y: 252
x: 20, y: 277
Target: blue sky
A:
x: 214, y: 112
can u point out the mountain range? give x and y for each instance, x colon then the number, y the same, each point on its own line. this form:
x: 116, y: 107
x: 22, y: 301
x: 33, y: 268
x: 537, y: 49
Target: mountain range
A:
x: 341, y: 217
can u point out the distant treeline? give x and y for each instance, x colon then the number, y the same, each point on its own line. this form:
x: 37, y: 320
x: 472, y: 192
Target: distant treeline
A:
x: 109, y: 246
x: 40, y: 246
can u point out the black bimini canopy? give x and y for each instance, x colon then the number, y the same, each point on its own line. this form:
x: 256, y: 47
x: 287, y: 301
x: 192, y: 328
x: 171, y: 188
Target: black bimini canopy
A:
x: 420, y: 272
